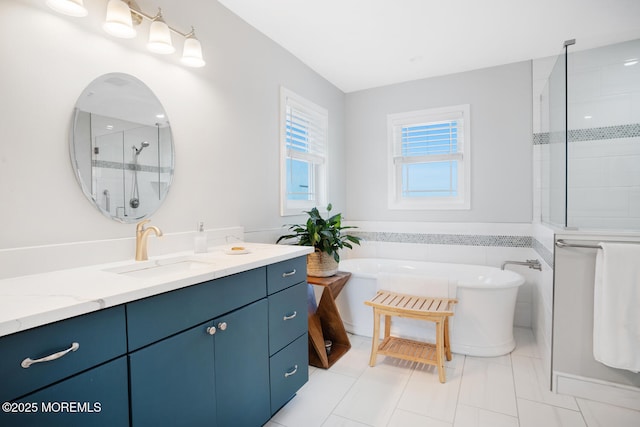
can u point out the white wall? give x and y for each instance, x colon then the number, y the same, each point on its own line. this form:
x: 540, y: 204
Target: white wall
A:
x: 226, y: 168
x: 501, y: 108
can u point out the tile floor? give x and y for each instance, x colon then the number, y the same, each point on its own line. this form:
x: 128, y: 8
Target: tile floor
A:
x: 506, y: 391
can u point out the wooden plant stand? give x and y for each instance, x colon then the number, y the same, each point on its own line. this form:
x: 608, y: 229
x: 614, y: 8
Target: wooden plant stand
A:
x: 438, y: 310
x: 326, y: 323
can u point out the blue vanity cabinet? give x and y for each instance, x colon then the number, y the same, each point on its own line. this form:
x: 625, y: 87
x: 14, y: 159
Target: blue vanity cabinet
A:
x: 226, y: 352
x: 214, y: 373
x: 56, y: 373
x: 288, y: 327
x: 97, y: 398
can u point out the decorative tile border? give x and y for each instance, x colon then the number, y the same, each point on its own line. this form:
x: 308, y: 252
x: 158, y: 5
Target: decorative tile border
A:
x: 129, y: 166
x: 448, y: 239
x: 590, y: 134
x: 461, y: 240
x: 541, y: 138
x: 544, y: 253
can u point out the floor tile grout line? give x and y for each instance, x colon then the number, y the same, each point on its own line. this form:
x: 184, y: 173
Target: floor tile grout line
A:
x: 515, y: 390
x: 404, y: 389
x: 332, y: 412
x: 455, y: 413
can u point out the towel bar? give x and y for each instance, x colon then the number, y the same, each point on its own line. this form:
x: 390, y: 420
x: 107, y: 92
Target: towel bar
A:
x: 561, y: 243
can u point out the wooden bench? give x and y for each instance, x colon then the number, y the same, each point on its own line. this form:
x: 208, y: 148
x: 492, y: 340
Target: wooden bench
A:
x: 430, y: 309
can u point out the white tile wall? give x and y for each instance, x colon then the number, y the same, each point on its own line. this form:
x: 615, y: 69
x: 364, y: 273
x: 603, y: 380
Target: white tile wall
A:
x: 604, y: 183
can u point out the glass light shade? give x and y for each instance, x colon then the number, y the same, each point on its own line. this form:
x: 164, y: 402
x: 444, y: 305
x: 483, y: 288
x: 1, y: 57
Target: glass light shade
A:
x: 118, y: 22
x: 192, y: 53
x: 68, y: 7
x: 160, y: 38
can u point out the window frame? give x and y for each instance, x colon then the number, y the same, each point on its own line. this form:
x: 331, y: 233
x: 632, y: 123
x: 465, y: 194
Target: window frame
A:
x: 318, y: 159
x: 395, y: 123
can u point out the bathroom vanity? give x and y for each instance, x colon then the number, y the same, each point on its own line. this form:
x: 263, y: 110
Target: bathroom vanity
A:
x: 226, y: 345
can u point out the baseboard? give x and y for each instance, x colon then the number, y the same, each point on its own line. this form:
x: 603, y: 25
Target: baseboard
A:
x: 598, y: 390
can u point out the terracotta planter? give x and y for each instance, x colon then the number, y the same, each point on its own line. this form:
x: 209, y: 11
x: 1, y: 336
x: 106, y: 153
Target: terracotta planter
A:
x: 320, y: 264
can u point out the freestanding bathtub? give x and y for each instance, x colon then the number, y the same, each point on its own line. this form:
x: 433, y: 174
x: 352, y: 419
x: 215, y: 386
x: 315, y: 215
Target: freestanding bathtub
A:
x: 483, y: 321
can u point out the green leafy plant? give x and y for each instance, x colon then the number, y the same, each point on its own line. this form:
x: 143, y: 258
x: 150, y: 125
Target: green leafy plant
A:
x: 325, y: 235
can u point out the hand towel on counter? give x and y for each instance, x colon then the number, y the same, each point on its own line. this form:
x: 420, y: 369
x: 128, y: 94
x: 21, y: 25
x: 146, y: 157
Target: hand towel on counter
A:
x: 616, y: 306
x: 420, y: 286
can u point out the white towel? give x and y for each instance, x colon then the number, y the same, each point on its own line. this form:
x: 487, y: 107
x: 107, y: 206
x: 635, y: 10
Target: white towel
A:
x: 616, y: 306
x: 417, y: 285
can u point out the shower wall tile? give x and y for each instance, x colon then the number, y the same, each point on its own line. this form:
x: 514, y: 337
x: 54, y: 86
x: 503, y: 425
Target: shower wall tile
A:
x: 618, y: 79
x: 603, y: 178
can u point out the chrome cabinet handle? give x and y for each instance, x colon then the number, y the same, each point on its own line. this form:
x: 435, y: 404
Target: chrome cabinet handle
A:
x: 292, y: 372
x: 211, y: 330
x: 222, y: 326
x: 289, y: 273
x: 28, y: 361
x: 295, y: 313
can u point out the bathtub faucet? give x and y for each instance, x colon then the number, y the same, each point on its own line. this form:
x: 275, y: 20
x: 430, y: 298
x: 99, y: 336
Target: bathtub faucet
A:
x: 531, y: 263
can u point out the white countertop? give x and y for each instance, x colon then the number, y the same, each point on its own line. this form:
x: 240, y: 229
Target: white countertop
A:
x: 35, y: 300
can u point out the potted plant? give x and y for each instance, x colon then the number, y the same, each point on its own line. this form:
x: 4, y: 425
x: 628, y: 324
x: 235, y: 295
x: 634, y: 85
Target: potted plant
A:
x: 325, y: 235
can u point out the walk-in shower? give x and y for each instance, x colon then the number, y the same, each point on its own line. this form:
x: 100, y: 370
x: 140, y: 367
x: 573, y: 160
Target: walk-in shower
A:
x: 588, y: 150
x: 591, y: 164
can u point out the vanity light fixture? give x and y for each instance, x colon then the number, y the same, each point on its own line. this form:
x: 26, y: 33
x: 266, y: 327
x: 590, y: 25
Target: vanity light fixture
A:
x: 160, y: 36
x: 68, y: 7
x: 119, y: 22
x: 192, y: 51
x: 123, y: 15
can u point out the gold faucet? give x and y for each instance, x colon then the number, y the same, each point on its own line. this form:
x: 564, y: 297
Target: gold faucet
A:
x: 141, y: 239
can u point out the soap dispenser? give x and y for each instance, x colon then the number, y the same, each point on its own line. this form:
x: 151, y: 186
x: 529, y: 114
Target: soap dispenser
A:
x: 200, y: 240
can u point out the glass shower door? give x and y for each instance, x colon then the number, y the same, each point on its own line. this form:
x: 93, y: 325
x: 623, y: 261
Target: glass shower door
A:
x: 554, y: 195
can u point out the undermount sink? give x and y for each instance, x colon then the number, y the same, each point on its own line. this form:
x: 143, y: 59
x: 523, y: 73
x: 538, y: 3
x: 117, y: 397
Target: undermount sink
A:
x: 161, y: 267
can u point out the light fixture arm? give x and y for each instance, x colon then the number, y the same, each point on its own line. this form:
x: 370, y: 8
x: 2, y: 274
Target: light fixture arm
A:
x: 138, y: 15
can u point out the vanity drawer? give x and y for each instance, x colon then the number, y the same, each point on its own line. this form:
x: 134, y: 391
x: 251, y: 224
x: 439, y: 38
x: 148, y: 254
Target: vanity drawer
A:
x: 101, y: 336
x: 96, y: 398
x: 289, y: 370
x: 287, y: 316
x: 157, y: 317
x: 283, y: 274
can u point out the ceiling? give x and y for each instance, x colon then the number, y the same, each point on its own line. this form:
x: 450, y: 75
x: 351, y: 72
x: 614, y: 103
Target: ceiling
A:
x: 360, y: 44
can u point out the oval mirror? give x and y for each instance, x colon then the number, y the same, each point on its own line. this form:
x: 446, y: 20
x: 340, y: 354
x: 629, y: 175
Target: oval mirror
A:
x: 121, y: 147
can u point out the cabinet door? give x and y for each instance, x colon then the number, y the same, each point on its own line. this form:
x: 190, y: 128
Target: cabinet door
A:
x: 242, y: 367
x: 172, y: 381
x: 97, y: 397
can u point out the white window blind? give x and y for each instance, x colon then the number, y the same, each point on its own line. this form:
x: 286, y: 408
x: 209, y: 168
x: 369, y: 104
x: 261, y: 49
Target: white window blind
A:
x: 304, y: 154
x: 429, y: 159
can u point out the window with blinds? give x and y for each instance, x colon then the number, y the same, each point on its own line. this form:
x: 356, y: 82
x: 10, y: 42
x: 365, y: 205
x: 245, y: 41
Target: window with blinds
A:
x: 304, y: 128
x: 429, y: 162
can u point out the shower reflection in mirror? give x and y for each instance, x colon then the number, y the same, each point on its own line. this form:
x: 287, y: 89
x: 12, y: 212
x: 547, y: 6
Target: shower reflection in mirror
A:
x: 126, y: 170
